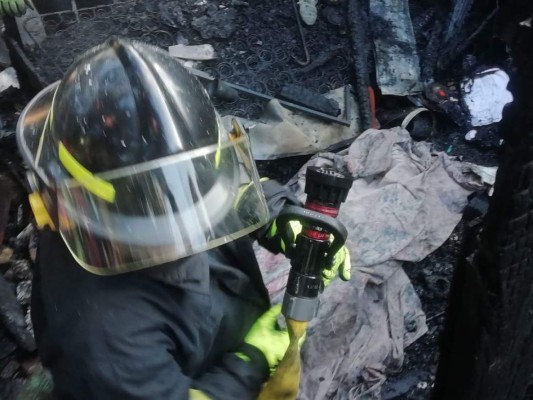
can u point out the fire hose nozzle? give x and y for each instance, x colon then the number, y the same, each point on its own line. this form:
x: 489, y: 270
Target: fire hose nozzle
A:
x: 312, y: 251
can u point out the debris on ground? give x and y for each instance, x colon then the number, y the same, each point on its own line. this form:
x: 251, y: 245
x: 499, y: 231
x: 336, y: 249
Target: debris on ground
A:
x: 308, y: 11
x: 17, y: 245
x: 358, y: 21
x: 12, y: 100
x: 172, y: 14
x: 393, y: 389
x: 419, y: 121
x: 8, y: 79
x: 200, y: 52
x: 306, y: 97
x: 478, y: 205
x: 280, y: 132
x: 486, y: 174
x: 5, y: 60
x: 397, y: 64
x: 39, y: 385
x: 485, y: 136
x: 485, y: 96
x: 446, y: 85
x: 217, y: 24
x: 12, y: 316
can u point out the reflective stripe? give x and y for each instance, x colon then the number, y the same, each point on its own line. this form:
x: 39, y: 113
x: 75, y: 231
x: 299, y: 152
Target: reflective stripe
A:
x: 93, y: 184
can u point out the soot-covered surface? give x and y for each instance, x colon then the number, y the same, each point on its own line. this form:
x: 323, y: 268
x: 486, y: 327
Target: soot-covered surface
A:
x: 257, y: 44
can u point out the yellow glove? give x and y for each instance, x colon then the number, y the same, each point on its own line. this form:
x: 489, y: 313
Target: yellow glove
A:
x: 265, y: 336
x: 14, y: 7
x: 341, y: 263
x: 195, y: 394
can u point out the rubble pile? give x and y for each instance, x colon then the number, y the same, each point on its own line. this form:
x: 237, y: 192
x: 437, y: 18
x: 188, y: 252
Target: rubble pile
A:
x: 18, y: 356
x: 432, y: 280
x: 17, y: 345
x: 403, y: 54
x: 256, y: 44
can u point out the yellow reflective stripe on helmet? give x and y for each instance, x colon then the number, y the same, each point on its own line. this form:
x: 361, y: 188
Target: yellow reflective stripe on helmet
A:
x: 93, y: 184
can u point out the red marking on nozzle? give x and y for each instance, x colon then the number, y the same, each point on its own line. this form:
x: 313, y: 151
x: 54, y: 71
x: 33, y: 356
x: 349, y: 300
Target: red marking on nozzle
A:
x: 316, y: 235
x: 330, y: 211
x: 442, y: 93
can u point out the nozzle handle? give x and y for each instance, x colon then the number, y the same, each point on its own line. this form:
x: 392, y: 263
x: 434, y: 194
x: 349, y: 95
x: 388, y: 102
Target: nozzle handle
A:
x: 310, y: 218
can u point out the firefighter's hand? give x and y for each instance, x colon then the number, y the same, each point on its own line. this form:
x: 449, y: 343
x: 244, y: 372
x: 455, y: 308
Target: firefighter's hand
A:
x: 341, y: 263
x: 341, y: 266
x: 14, y: 7
x: 265, y: 336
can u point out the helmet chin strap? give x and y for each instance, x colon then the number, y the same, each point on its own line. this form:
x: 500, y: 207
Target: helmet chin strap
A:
x: 40, y: 212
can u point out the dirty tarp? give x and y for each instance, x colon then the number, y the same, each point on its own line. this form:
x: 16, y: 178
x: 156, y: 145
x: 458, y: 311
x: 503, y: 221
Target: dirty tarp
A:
x: 405, y: 202
x: 283, y: 133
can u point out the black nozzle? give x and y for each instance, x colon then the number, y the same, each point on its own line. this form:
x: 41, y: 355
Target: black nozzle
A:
x: 327, y: 186
x: 312, y: 252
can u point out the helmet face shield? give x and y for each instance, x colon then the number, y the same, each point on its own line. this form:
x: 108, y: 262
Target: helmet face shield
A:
x: 133, y: 164
x: 162, y: 210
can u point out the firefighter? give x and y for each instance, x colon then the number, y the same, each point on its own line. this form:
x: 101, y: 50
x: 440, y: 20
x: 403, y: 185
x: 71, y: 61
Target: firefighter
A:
x: 136, y: 181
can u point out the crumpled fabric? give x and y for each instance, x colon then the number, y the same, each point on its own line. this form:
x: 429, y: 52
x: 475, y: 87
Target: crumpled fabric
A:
x: 404, y: 203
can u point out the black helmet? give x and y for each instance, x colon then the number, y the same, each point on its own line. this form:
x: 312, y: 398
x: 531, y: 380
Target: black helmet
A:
x: 133, y: 164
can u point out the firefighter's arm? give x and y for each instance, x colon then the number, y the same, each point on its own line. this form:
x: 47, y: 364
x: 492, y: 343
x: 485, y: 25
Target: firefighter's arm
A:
x: 241, y: 375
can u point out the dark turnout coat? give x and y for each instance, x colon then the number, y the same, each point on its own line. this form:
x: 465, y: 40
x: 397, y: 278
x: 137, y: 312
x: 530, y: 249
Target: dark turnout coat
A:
x: 155, y: 333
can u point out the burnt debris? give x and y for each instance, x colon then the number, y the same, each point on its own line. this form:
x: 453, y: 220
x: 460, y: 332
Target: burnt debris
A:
x: 257, y: 46
x: 17, y: 239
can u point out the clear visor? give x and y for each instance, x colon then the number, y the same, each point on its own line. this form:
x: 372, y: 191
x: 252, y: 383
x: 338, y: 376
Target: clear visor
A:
x: 162, y: 210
